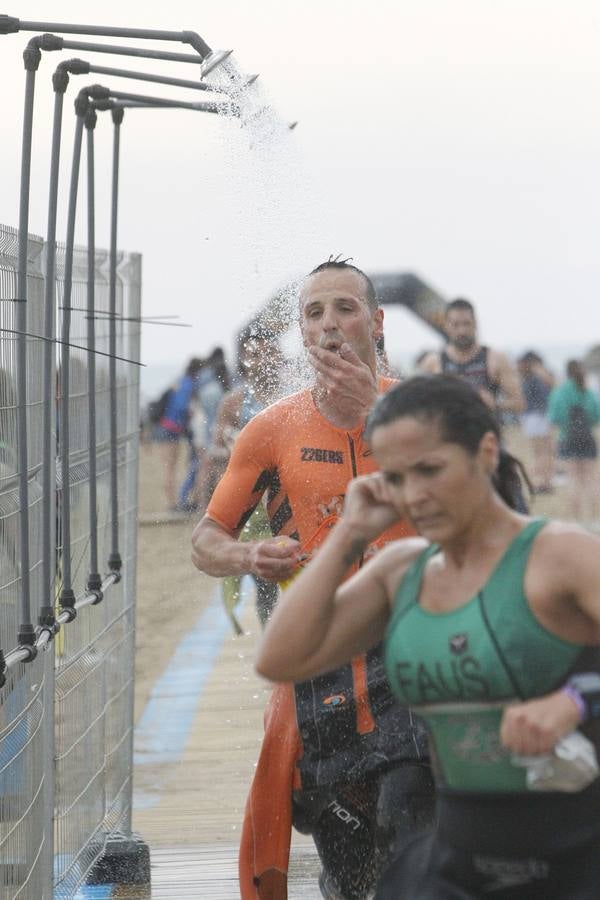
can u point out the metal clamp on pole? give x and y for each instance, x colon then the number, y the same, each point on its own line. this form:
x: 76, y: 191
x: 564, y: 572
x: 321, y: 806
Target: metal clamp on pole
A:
x: 32, y: 55
x: 8, y: 24
x: 111, y: 578
x: 67, y: 606
x: 90, y: 598
x: 19, y: 655
x: 115, y: 564
x: 47, y: 619
x: 97, y: 592
x: 27, y: 642
x: 46, y: 635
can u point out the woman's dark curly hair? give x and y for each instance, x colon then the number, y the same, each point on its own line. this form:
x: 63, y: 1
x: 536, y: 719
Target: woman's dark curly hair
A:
x: 461, y: 415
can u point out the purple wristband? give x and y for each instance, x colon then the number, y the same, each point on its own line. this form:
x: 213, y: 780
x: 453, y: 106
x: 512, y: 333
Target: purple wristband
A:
x: 577, y: 700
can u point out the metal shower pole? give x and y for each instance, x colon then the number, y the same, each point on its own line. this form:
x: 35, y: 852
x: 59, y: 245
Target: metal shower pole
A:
x: 32, y: 57
x: 94, y: 582
x: 92, y: 92
x: 115, y: 560
x: 11, y: 25
x: 206, y: 66
x: 60, y: 80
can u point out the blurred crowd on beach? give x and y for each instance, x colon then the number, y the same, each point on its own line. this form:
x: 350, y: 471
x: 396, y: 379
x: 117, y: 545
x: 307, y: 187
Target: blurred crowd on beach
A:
x: 555, y: 413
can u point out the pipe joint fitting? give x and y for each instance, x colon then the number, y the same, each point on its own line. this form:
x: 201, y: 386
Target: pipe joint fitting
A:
x: 60, y: 78
x: 67, y: 604
x: 9, y: 24
x: 103, y: 105
x: 32, y: 55
x: 98, y: 595
x: 26, y: 635
x: 98, y: 92
x: 78, y: 66
x: 91, y: 118
x: 50, y: 42
x: 46, y: 618
x: 81, y: 103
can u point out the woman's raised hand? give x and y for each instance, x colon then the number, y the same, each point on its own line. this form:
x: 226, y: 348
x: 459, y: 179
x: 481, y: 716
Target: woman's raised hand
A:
x: 368, y: 507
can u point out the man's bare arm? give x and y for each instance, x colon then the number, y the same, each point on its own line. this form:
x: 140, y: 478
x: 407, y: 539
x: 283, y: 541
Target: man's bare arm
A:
x: 506, y: 375
x: 430, y: 365
x: 219, y: 553
x: 543, y: 374
x: 227, y: 418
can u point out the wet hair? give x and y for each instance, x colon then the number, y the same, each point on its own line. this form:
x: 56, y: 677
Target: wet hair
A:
x: 221, y: 373
x: 530, y: 357
x: 194, y: 365
x: 461, y: 415
x: 255, y: 332
x: 461, y: 305
x: 215, y: 356
x: 344, y: 265
x: 576, y: 373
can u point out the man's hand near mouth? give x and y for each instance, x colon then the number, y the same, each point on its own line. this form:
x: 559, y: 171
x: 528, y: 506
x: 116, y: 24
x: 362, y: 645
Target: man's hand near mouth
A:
x: 346, y: 386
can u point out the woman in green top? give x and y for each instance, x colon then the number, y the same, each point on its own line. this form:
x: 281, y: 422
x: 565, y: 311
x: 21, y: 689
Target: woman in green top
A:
x: 489, y: 618
x: 576, y: 410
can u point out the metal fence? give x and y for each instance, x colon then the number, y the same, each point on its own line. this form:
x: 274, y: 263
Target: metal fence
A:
x: 66, y: 718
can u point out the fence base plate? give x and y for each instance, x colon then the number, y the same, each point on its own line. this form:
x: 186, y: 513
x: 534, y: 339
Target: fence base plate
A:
x: 126, y: 860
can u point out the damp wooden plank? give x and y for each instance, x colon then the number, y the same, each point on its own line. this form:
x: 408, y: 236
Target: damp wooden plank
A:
x: 209, y: 872
x: 190, y: 812
x: 200, y: 798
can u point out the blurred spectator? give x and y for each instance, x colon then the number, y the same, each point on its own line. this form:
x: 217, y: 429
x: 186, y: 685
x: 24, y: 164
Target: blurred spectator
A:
x: 537, y: 382
x: 490, y: 372
x: 215, y: 382
x: 591, y: 362
x: 576, y: 410
x: 259, y: 368
x: 174, y: 424
x: 212, y: 383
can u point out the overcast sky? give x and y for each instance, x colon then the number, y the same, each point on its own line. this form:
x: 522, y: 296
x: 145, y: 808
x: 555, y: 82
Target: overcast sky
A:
x: 457, y: 139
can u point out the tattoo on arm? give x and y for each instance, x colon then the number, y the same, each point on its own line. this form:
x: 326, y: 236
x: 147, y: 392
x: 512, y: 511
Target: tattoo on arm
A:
x: 355, y: 551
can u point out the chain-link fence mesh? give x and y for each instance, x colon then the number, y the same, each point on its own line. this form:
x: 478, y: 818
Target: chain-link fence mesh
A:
x: 66, y: 718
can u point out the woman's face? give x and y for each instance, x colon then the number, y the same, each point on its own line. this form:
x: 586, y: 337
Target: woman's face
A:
x: 435, y: 484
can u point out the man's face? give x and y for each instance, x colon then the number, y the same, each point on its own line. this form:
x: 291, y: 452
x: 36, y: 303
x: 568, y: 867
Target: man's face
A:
x: 334, y: 310
x: 461, y: 329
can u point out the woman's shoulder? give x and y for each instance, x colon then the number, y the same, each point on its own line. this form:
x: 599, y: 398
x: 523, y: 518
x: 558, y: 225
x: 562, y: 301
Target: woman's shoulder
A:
x: 406, y: 548
x: 396, y: 558
x: 562, y: 546
x: 563, y: 570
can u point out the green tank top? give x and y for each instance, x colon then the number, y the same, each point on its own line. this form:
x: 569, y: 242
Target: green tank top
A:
x: 459, y: 669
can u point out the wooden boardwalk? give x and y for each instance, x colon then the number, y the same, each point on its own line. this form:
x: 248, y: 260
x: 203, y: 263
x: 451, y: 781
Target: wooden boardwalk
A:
x: 189, y: 809
x: 209, y: 872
